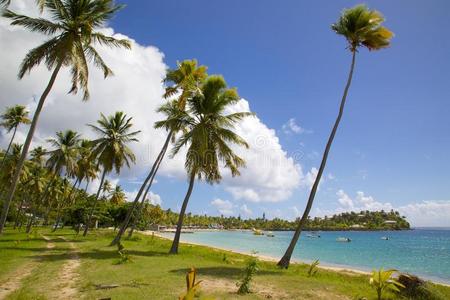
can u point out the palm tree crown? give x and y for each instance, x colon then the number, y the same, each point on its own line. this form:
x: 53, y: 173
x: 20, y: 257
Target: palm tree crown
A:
x: 72, y: 25
x: 210, y: 132
x: 65, y: 153
x: 111, y: 148
x: 362, y: 27
x: 14, y: 116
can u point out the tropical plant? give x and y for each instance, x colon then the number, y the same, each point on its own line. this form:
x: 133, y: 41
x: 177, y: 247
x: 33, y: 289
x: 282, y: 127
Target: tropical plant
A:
x: 87, y: 167
x: 11, y: 119
x: 71, y: 28
x: 382, y: 280
x: 208, y: 137
x: 111, y: 150
x: 191, y: 285
x: 249, y: 272
x: 313, y: 268
x: 361, y: 27
x: 117, y: 196
x: 186, y: 80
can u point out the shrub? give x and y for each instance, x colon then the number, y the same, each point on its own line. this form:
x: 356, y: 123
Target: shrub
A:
x: 249, y: 271
x: 416, y: 288
x: 124, y: 256
x: 382, y: 280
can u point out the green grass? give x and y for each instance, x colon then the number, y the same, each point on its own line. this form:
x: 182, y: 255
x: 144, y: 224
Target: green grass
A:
x: 154, y: 274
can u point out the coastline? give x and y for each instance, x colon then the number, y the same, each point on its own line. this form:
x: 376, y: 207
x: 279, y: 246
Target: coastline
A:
x: 347, y: 270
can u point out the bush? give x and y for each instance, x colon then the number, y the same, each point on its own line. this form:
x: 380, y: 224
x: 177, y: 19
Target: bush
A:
x: 249, y: 271
x: 313, y: 268
x: 416, y: 288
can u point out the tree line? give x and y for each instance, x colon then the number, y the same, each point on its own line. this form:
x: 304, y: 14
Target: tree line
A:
x: 196, y: 118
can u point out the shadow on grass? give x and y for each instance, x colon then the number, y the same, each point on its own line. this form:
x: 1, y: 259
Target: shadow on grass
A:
x: 221, y: 271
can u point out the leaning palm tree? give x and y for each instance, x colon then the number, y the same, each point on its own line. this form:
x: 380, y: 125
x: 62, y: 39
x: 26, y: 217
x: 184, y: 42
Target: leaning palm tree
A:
x: 71, y: 28
x: 11, y: 119
x: 208, y: 138
x: 111, y: 149
x: 186, y: 80
x: 361, y: 27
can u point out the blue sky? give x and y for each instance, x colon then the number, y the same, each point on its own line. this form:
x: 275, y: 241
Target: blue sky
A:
x: 393, y: 143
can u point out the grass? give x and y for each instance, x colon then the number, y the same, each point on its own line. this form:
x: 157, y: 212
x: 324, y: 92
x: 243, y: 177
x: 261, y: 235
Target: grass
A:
x: 151, y: 273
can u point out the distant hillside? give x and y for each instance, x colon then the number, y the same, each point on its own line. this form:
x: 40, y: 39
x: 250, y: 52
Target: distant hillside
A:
x: 363, y: 220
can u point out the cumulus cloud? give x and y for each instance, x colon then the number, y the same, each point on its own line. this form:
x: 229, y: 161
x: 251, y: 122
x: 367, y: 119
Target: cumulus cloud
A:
x: 224, y: 207
x: 271, y: 174
x: 245, y: 210
x: 291, y: 127
x: 425, y: 213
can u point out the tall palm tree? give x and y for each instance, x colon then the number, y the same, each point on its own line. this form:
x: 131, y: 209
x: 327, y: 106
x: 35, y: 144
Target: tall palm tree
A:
x: 117, y: 196
x: 38, y: 155
x: 71, y: 28
x: 87, y: 168
x: 208, y: 138
x: 111, y: 150
x: 11, y: 119
x: 186, y: 80
x: 361, y: 27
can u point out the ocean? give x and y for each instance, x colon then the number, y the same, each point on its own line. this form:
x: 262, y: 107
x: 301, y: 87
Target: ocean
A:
x: 423, y: 252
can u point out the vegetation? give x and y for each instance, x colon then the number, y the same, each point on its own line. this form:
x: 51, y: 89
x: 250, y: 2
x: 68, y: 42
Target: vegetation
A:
x: 382, y: 280
x: 361, y: 27
x: 249, y: 272
x: 313, y: 268
x: 192, y: 286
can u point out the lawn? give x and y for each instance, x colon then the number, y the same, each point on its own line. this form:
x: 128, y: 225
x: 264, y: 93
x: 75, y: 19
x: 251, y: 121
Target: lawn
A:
x: 67, y: 266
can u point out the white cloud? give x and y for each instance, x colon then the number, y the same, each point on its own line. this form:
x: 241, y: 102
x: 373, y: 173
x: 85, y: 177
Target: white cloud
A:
x: 152, y: 198
x: 271, y: 175
x: 245, y: 210
x: 291, y: 127
x: 425, y: 213
x: 224, y: 207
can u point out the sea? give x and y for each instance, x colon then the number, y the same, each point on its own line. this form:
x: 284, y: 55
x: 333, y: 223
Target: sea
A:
x: 424, y: 252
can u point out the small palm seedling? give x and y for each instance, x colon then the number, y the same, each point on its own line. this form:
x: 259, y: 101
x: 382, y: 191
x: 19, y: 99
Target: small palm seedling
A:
x: 249, y: 272
x: 382, y: 280
x: 313, y: 268
x: 124, y: 256
x: 191, y: 286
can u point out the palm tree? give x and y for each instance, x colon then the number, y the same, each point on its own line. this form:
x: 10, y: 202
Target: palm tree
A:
x: 361, y: 27
x: 72, y: 38
x: 87, y: 168
x: 12, y: 118
x: 185, y: 79
x: 111, y: 150
x: 117, y: 196
x: 63, y: 157
x: 208, y: 137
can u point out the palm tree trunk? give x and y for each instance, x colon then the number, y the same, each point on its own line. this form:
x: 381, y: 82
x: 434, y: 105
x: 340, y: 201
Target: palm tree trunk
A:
x: 87, y: 185
x: 285, y: 260
x: 19, y: 212
x: 158, y: 163
x: 176, y: 239
x: 69, y: 197
x: 9, y: 147
x: 26, y: 146
x: 150, y: 176
x: 86, y: 229
x: 44, y: 195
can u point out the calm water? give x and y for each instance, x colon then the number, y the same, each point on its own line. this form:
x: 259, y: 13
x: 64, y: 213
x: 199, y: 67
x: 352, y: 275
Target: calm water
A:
x: 425, y: 252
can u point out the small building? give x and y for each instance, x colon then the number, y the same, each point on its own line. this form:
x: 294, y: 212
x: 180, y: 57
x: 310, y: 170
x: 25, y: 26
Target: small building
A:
x: 390, y: 222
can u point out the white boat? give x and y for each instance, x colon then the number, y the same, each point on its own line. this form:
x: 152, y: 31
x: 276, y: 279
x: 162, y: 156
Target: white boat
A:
x: 270, y: 234
x: 343, y: 239
x: 386, y: 238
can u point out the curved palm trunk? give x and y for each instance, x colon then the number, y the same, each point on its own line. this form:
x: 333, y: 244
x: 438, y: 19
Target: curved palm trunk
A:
x: 69, y: 197
x: 7, y: 149
x: 141, y: 207
x: 176, y: 239
x: 150, y: 178
x: 95, y: 204
x: 285, y: 260
x: 26, y: 146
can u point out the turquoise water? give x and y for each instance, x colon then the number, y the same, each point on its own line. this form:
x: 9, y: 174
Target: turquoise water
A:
x: 424, y: 252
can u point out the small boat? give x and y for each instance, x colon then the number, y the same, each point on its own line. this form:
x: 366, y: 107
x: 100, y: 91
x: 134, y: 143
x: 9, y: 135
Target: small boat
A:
x: 257, y: 232
x: 270, y: 234
x: 313, y: 236
x: 343, y: 239
x: 386, y: 238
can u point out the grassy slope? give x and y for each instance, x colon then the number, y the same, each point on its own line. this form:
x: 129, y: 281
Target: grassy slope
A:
x: 153, y: 274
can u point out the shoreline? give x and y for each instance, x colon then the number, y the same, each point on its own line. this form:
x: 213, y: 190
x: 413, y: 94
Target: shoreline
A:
x: 348, y: 270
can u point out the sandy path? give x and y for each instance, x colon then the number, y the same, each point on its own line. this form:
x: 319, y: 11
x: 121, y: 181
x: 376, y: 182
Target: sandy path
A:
x: 15, y: 278
x: 64, y: 286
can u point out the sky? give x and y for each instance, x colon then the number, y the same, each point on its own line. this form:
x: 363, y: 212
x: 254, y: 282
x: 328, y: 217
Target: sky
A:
x: 391, y: 149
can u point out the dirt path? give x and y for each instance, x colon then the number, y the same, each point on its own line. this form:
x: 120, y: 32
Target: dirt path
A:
x: 15, y: 278
x: 65, y: 282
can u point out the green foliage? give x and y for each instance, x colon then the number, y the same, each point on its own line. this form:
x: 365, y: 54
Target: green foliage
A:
x: 382, y: 280
x: 192, y: 286
x: 124, y: 256
x: 417, y: 289
x: 249, y: 272
x: 313, y: 268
